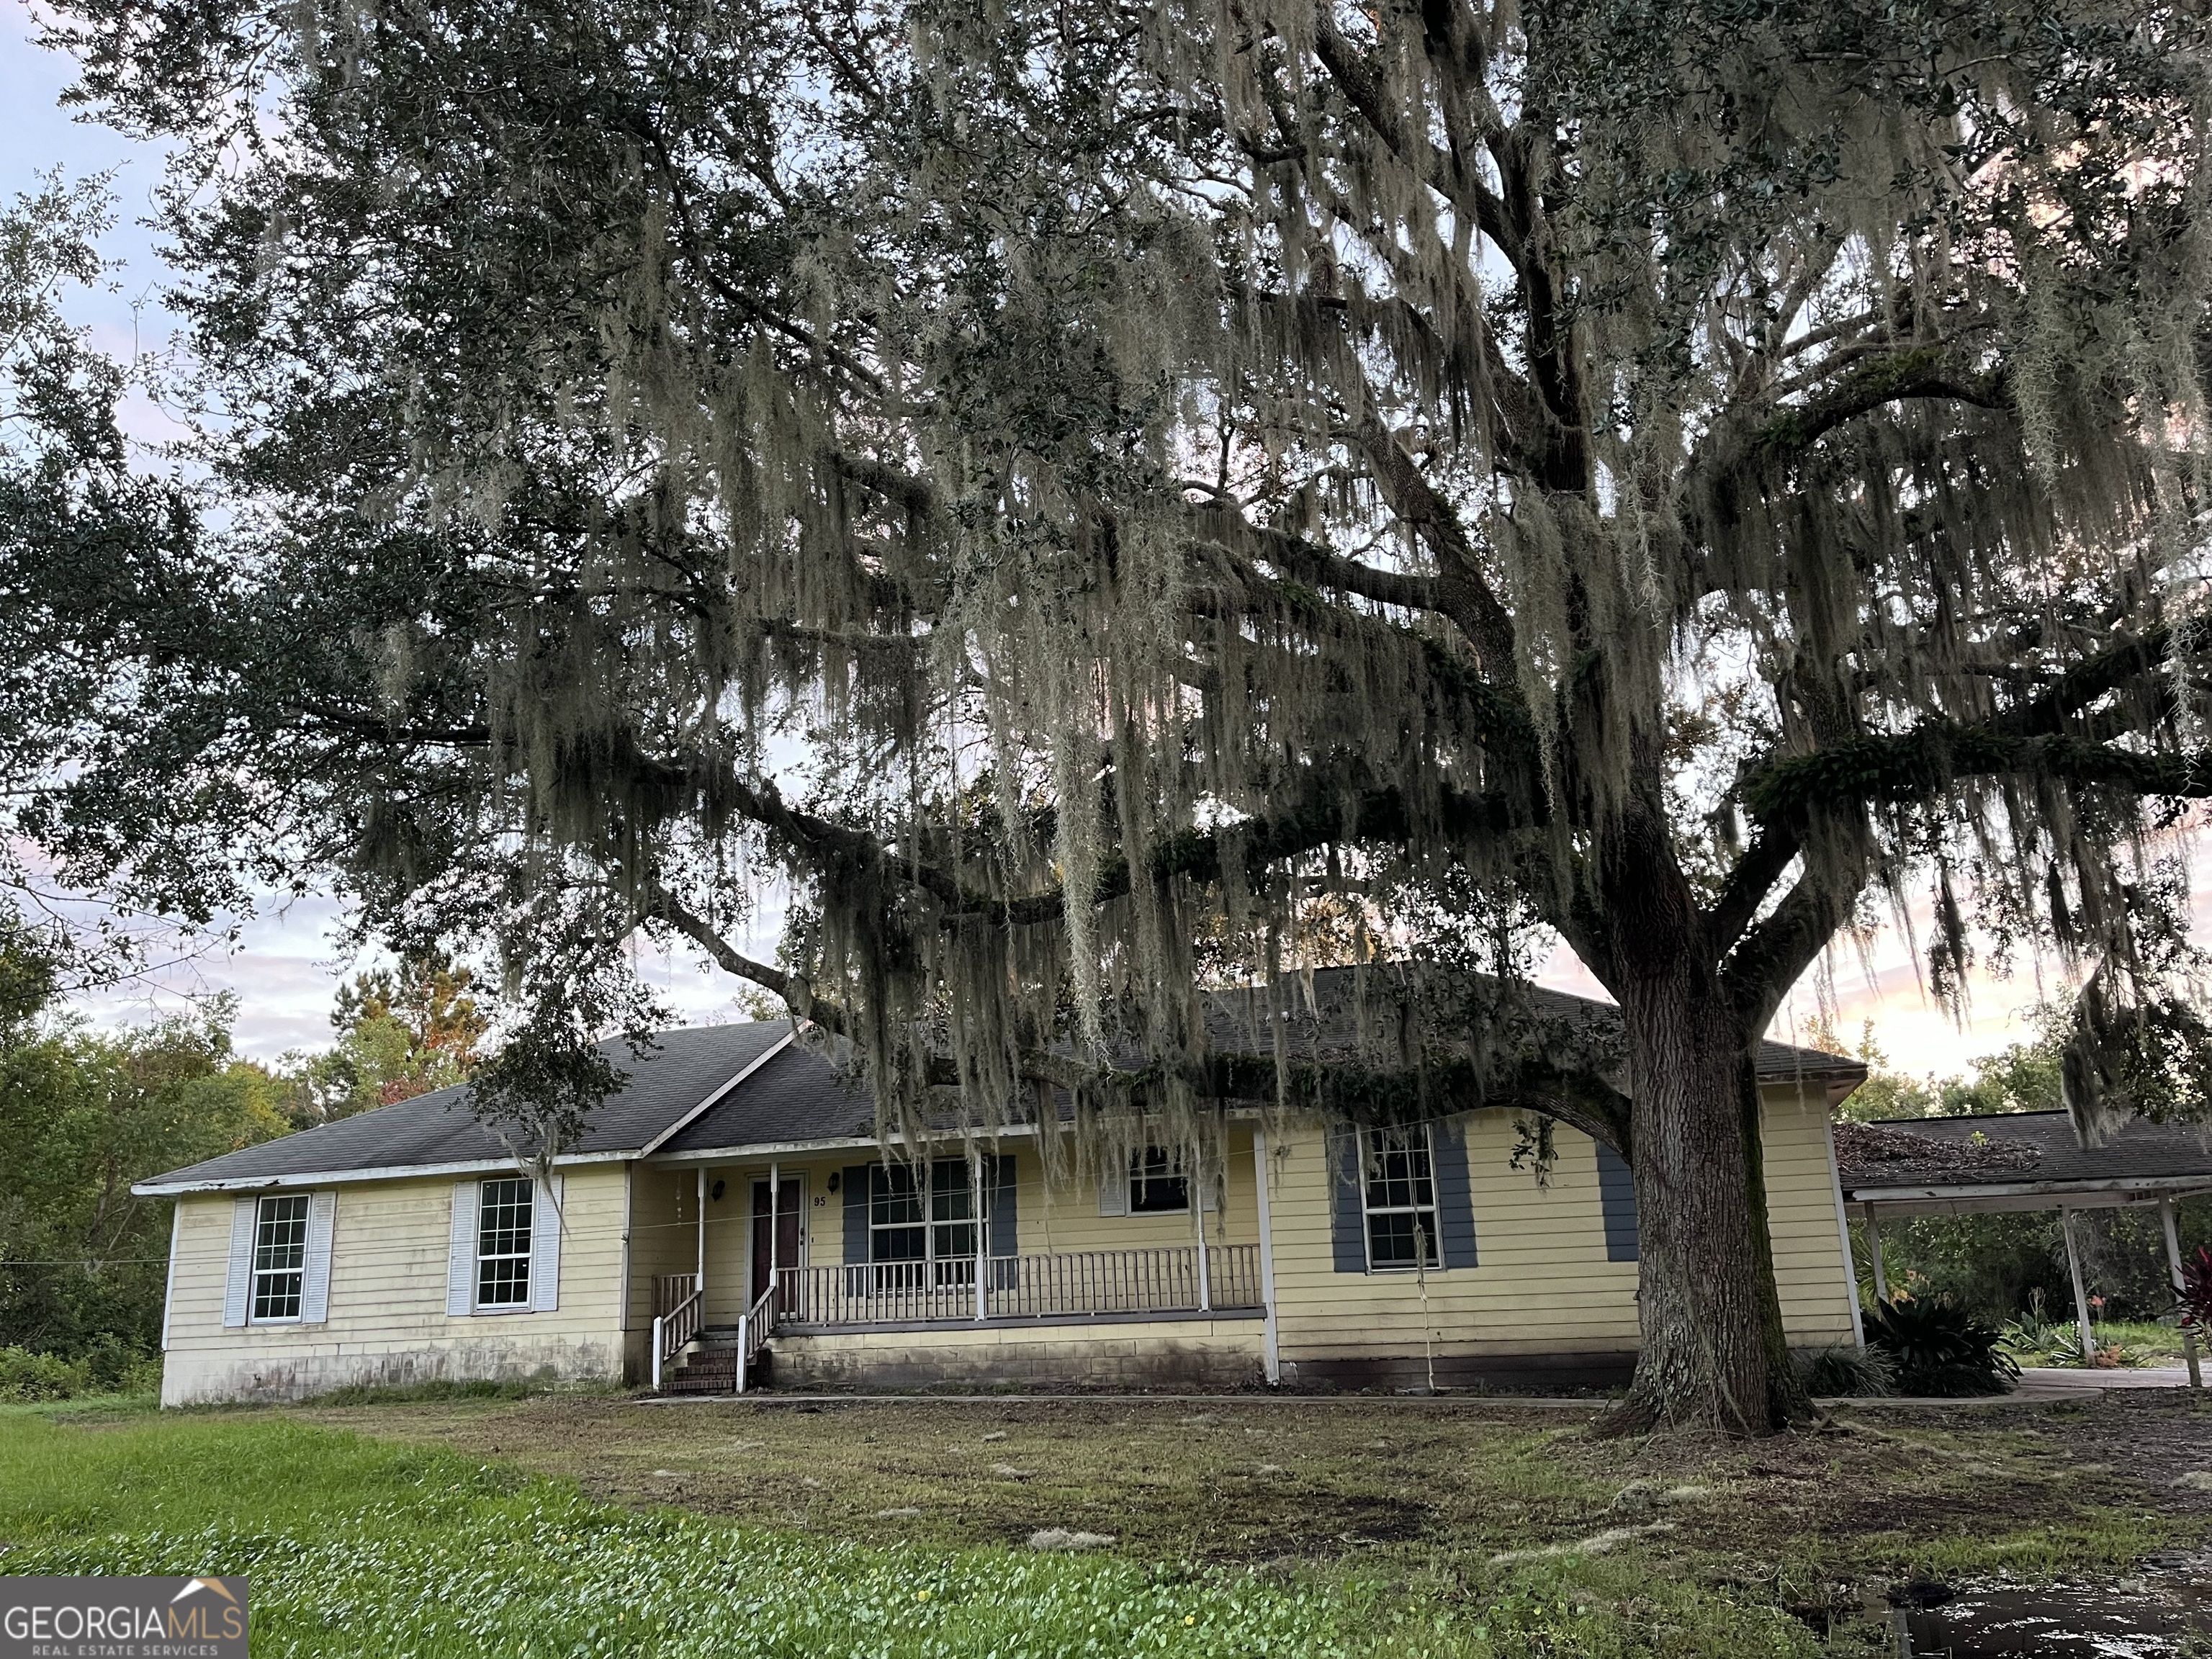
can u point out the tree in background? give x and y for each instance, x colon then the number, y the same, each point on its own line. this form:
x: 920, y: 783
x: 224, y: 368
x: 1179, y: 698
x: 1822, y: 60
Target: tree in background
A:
x: 401, y: 1035
x: 2021, y: 1076
x: 1066, y: 481
x: 1994, y: 1265
x: 83, y: 1265
x: 107, y: 607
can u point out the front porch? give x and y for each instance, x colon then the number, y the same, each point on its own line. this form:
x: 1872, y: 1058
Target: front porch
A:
x: 1112, y: 1290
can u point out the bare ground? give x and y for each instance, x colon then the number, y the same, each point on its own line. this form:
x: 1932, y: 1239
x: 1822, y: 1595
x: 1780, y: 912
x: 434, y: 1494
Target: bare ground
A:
x: 1882, y: 1492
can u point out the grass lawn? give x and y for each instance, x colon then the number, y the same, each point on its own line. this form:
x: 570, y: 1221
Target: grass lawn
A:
x: 579, y: 1526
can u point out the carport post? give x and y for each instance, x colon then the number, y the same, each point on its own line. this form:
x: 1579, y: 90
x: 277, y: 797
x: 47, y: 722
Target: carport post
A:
x: 1874, y: 1255
x: 2174, y: 1261
x: 2081, y: 1296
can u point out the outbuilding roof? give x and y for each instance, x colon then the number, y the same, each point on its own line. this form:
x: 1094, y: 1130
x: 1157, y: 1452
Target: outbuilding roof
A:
x: 731, y: 1088
x: 2014, y: 1160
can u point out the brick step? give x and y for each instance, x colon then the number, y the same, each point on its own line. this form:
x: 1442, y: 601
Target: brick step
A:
x: 708, y: 1370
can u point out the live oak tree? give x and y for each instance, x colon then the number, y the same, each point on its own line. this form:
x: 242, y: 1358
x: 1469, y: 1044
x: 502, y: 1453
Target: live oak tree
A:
x: 1106, y: 501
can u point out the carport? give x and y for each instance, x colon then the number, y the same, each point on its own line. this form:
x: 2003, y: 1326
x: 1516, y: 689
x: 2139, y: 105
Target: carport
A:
x: 1906, y: 1167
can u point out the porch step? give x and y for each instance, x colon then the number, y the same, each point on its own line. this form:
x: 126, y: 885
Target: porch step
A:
x: 703, y: 1373
x: 709, y: 1366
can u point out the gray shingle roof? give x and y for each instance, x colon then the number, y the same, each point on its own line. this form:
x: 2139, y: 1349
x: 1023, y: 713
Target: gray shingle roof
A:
x: 685, y: 1067
x: 1330, y: 1023
x: 798, y: 1096
x: 2014, y: 1149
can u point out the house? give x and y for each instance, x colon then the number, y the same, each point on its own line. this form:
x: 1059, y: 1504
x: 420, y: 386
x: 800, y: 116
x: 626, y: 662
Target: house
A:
x: 729, y: 1205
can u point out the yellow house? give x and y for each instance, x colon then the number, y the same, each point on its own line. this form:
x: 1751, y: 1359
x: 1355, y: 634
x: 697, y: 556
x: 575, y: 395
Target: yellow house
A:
x: 729, y: 1218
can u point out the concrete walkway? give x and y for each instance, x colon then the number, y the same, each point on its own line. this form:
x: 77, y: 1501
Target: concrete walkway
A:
x: 2082, y: 1379
x: 2044, y: 1384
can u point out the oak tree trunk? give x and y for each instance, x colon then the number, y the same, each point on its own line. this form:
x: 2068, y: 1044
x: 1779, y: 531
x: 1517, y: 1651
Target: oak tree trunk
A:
x: 1714, y: 1355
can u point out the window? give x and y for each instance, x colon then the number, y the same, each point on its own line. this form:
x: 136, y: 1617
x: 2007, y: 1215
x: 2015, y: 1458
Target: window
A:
x: 280, y: 1257
x: 1400, y: 1190
x: 503, y: 1245
x: 1158, y: 1185
x: 937, y: 1228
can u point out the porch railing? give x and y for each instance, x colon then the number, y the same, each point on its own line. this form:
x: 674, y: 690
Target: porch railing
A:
x: 754, y: 1325
x: 678, y: 1309
x: 1164, y: 1280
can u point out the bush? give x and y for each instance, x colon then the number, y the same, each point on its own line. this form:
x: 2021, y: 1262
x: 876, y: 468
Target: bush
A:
x: 1861, y: 1373
x: 28, y: 1376
x: 1939, y: 1350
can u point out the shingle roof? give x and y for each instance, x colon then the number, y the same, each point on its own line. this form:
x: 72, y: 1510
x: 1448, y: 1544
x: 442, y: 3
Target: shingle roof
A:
x: 798, y: 1096
x: 1330, y: 1024
x: 684, y: 1068
x: 2013, y: 1149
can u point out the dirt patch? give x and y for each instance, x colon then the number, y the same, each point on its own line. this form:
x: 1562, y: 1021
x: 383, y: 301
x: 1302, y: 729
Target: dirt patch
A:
x: 1240, y: 1480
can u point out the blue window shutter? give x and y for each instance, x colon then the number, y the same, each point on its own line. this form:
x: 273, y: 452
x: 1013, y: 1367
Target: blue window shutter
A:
x: 1455, y: 1195
x: 855, y: 1183
x: 1616, y: 1198
x: 1004, y: 1223
x: 1347, y: 1213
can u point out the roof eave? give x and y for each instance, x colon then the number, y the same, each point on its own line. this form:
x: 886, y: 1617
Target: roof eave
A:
x: 161, y: 1189
x: 2149, y: 1185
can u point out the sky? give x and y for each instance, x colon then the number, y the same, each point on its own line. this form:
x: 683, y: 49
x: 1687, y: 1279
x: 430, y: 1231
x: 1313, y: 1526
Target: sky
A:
x: 287, y: 962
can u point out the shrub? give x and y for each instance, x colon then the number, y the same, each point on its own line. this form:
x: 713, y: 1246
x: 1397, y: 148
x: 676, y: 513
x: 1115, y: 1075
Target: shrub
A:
x: 2196, y: 1300
x: 1844, y: 1371
x: 2037, y: 1338
x: 1938, y: 1349
x: 28, y: 1376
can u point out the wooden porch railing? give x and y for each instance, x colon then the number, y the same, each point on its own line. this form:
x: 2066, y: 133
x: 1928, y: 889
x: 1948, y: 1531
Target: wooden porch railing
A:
x: 754, y: 1325
x: 1163, y: 1281
x: 679, y: 1308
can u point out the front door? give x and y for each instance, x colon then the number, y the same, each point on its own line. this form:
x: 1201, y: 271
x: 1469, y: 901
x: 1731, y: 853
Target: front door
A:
x: 789, y: 1238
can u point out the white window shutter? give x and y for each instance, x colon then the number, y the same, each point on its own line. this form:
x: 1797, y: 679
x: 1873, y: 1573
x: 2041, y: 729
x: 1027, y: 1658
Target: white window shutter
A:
x: 1113, y: 1192
x: 315, y: 1281
x: 545, y: 1246
x: 461, y: 1262
x: 238, y: 1294
x: 1209, y: 1193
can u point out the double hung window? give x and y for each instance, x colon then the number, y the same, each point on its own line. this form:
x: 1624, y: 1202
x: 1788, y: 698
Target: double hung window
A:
x: 1398, y: 1185
x: 503, y: 1228
x: 923, y: 1224
x: 1158, y: 1184
x: 280, y: 1257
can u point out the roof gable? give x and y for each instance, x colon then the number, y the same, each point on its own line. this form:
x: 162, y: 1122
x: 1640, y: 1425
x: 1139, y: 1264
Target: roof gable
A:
x: 684, y: 1070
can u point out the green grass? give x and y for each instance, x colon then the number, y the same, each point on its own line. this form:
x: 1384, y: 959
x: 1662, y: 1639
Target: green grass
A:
x: 353, y: 1544
x: 1357, y: 1528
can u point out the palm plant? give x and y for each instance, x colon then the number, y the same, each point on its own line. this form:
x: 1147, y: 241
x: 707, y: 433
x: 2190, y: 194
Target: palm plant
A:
x: 1940, y: 1349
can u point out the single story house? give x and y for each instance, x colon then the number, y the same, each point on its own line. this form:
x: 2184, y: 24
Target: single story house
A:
x: 730, y: 1203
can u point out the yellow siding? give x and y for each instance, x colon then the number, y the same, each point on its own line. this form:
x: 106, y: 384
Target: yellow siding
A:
x: 1543, y: 1287
x: 1817, y: 1292
x: 1063, y: 1218
x: 1543, y: 1291
x: 1058, y: 1219
x: 388, y: 1323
